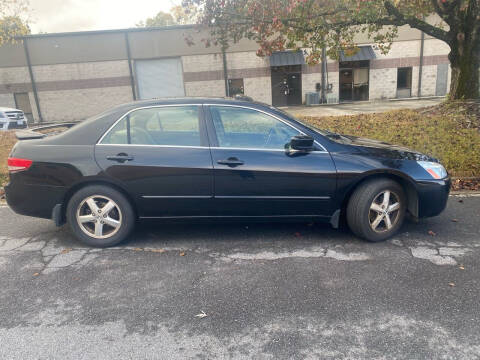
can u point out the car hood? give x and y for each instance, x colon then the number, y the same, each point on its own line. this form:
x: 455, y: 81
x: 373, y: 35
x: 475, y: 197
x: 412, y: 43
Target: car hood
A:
x: 380, y: 149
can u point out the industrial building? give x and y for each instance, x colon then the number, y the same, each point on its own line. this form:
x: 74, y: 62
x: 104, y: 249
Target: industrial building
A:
x: 72, y: 76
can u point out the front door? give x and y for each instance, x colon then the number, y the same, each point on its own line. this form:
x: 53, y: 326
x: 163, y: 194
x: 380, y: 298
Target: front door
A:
x: 354, y: 80
x: 287, y: 85
x: 161, y: 156
x: 255, y: 176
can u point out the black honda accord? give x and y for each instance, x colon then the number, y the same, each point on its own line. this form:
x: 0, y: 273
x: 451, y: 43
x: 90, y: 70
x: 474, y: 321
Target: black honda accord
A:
x: 217, y: 159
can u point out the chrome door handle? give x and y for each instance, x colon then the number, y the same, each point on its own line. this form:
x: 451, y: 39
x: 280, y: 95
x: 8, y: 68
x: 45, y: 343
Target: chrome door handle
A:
x: 121, y: 158
x: 232, y: 162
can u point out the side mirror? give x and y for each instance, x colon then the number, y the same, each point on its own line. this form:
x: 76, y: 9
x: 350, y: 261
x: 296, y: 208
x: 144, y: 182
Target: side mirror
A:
x: 302, y: 143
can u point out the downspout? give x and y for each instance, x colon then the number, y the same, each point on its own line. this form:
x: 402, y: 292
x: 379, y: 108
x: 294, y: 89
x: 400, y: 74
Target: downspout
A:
x: 420, y: 69
x: 323, y: 99
x: 225, y: 73
x: 130, y: 69
x: 32, y: 80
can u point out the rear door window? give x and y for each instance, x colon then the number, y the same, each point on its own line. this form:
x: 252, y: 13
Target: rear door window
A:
x: 168, y: 126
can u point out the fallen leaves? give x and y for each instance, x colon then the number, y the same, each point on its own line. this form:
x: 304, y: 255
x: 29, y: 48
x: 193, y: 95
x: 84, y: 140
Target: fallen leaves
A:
x: 451, y: 284
x: 182, y: 253
x: 36, y: 274
x: 65, y: 251
x: 161, y: 251
x: 431, y: 233
x: 461, y: 267
x: 472, y: 184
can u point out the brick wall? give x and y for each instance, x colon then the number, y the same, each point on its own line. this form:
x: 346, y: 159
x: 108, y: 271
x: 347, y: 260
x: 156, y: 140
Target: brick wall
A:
x: 203, y: 74
x: 7, y: 100
x: 209, y: 88
x: 383, y: 83
x: 312, y: 75
x: 429, y: 80
x: 80, y: 71
x: 14, y: 75
x: 72, y: 105
x: 196, y: 63
x: 260, y: 89
x: 69, y: 92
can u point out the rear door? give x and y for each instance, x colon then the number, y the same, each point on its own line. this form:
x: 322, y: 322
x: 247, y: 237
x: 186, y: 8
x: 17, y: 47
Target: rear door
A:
x: 255, y: 176
x: 161, y: 155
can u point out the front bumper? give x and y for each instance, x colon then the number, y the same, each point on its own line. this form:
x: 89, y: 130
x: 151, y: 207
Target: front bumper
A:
x: 432, y: 196
x: 9, y: 125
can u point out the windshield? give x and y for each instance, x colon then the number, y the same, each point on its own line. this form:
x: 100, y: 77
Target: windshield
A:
x: 323, y: 132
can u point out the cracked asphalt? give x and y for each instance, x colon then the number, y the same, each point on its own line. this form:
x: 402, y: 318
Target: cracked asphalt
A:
x: 269, y: 291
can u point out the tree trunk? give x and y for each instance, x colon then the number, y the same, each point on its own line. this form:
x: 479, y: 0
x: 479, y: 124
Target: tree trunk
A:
x: 464, y: 60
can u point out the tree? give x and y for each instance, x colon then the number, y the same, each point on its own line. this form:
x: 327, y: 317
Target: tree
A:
x: 333, y: 24
x: 12, y: 23
x: 161, y: 19
x: 185, y: 15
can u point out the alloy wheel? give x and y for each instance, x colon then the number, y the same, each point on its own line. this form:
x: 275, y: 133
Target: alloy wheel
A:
x: 384, y: 211
x: 99, y: 217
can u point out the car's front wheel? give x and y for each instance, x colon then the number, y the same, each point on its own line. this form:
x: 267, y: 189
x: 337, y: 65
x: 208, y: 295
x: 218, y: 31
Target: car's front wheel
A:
x: 100, y: 216
x: 376, y: 210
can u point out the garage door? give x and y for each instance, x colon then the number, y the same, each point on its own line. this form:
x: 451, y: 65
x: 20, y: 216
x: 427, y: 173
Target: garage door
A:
x: 159, y: 78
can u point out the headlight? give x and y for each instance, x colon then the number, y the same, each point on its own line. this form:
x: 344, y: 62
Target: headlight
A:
x: 435, y: 169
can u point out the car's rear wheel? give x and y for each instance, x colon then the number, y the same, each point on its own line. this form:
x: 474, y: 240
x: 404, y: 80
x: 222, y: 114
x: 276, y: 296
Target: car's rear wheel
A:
x: 100, y: 216
x: 376, y: 210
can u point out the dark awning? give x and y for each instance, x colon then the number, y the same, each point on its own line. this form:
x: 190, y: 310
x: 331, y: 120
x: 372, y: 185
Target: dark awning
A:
x: 364, y: 53
x: 283, y: 58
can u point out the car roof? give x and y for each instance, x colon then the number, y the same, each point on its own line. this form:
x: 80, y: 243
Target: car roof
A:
x: 90, y: 130
x: 188, y: 100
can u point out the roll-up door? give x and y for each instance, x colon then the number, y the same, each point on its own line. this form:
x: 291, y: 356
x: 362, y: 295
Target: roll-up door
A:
x: 159, y: 78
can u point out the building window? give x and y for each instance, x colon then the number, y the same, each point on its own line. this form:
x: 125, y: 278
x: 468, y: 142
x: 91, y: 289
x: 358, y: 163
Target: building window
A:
x: 404, y: 79
x: 404, y: 82
x: 235, y: 87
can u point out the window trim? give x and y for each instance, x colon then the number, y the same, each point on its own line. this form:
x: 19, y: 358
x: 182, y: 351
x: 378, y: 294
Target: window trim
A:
x: 203, y: 122
x: 201, y: 119
x: 323, y: 150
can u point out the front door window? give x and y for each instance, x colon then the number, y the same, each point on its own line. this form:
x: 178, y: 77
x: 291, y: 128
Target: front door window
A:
x: 247, y: 128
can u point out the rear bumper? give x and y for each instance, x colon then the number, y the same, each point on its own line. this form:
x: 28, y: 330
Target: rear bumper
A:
x: 432, y: 196
x: 34, y: 200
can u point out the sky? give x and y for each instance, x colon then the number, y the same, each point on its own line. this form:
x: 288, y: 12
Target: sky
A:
x: 81, y: 15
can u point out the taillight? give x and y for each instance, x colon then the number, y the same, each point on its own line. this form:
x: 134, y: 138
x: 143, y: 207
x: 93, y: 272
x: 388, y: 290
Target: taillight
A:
x: 16, y: 165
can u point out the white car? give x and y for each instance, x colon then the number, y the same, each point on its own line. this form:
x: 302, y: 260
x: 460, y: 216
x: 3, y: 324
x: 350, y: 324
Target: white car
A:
x: 12, y: 119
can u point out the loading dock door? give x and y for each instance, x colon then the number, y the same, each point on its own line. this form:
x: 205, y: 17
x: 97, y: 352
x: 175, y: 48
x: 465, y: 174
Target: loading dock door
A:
x: 159, y: 78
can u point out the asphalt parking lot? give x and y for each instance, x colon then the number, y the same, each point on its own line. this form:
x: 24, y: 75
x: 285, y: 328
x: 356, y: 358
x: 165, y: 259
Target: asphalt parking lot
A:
x: 263, y: 291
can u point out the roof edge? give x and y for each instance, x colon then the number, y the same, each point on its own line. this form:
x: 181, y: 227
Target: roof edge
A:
x: 111, y: 31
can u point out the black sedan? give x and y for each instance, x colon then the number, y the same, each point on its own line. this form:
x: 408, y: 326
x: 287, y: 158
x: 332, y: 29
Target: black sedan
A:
x: 221, y: 159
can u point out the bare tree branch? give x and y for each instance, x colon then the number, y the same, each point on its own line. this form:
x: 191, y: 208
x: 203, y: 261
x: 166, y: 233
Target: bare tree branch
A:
x: 401, y: 19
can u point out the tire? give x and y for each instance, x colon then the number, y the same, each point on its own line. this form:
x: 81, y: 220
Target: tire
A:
x: 111, y: 223
x: 367, y: 210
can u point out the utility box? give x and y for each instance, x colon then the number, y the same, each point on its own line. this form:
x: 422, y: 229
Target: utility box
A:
x: 312, y: 98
